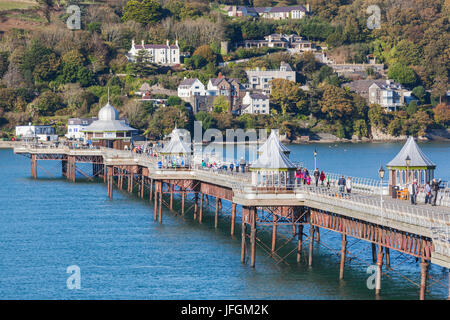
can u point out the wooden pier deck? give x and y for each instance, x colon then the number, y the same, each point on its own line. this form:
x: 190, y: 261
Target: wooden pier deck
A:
x: 419, y: 231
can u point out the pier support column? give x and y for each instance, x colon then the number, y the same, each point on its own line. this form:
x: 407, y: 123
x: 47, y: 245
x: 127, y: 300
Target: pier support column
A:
x: 374, y: 253
x: 151, y: 190
x: 33, y: 166
x: 200, y: 213
x: 423, y: 278
x: 183, y: 196
x: 243, y: 235
x: 216, y: 214
x: 233, y: 217
x: 142, y: 187
x: 104, y: 173
x: 312, y: 230
x: 171, y: 187
x: 110, y: 181
x: 64, y: 168
x: 388, y: 258
x: 160, y: 203
x: 156, y: 201
x: 195, y: 205
x: 253, y: 216
x: 379, y: 269
x: 300, y: 240
x: 274, y: 232
x: 343, y: 253
x: 317, y: 234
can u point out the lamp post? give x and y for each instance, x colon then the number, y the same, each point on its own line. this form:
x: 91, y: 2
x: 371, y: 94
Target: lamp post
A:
x: 315, y: 159
x: 381, y: 174
x: 408, y: 162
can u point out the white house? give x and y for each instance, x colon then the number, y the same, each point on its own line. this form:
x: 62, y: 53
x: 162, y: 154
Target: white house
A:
x: 260, y: 79
x: 40, y: 132
x: 167, y: 54
x: 75, y: 127
x: 255, y: 103
x: 191, y: 87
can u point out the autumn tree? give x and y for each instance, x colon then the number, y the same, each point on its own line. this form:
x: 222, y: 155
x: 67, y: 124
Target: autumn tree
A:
x: 336, y: 103
x: 288, y: 96
x: 442, y: 114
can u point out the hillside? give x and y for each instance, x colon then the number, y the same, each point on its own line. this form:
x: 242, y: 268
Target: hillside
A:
x: 50, y: 73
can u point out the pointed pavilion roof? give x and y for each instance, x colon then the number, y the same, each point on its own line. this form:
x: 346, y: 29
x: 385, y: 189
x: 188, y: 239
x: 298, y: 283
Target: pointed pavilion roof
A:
x: 272, y: 158
x: 176, y: 144
x: 274, y: 137
x: 411, y: 149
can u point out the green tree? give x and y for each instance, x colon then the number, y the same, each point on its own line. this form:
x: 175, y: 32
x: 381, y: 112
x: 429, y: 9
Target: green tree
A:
x: 143, y: 11
x: 402, y: 74
x: 336, y: 103
x: 420, y: 93
x: 221, y: 104
x: 48, y: 103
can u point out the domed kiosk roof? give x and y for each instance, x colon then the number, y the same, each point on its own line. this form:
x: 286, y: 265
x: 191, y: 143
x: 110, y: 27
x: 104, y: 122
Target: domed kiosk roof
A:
x: 108, y: 113
x: 108, y: 121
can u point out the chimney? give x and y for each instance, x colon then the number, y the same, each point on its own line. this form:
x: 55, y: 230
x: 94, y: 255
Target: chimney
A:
x: 142, y: 42
x: 307, y: 7
x: 167, y: 42
x: 132, y: 43
x: 176, y: 42
x: 220, y: 76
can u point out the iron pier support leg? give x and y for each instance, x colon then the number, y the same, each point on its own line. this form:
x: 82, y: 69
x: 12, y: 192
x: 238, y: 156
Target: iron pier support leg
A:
x: 233, y: 217
x: 253, y: 216
x: 379, y: 269
x: 317, y: 234
x: 374, y: 254
x: 388, y: 258
x: 160, y: 204
x: 64, y: 168
x: 200, y: 214
x: 312, y: 230
x: 300, y: 240
x: 274, y: 232
x: 216, y: 214
x: 156, y: 204
x: 183, y: 195
x: 104, y: 173
x: 142, y: 186
x: 423, y: 278
x: 110, y: 181
x: 343, y: 253
x: 243, y: 235
x: 151, y: 190
x: 195, y: 205
x: 171, y: 196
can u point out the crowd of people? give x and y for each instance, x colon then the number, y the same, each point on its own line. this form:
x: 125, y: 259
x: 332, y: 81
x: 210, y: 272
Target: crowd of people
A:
x: 430, y: 189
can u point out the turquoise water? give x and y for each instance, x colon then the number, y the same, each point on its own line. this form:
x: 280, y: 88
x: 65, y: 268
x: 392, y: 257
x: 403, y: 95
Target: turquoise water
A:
x: 49, y: 224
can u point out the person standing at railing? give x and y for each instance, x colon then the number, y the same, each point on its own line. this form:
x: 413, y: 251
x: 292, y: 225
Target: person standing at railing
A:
x: 242, y: 163
x: 322, y: 177
x: 428, y: 193
x: 412, y: 189
x: 316, y: 176
x: 231, y: 166
x: 341, y: 184
x: 299, y: 176
x: 435, y: 189
x: 348, y: 185
x: 328, y: 181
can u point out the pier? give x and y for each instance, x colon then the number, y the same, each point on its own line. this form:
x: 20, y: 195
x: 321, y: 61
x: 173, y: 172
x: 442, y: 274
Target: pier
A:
x: 386, y: 224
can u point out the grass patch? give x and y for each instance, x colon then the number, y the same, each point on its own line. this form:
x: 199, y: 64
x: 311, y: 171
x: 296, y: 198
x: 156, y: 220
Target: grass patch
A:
x: 15, y: 4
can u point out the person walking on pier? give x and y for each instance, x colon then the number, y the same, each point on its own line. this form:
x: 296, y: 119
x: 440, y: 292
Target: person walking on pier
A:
x: 242, y: 163
x: 348, y: 185
x: 299, y: 176
x: 322, y: 177
x: 412, y: 189
x: 435, y: 189
x: 341, y: 184
x: 317, y: 176
x: 427, y: 193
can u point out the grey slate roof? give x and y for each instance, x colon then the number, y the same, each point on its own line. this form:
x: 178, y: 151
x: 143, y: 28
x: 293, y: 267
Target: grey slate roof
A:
x: 411, y: 149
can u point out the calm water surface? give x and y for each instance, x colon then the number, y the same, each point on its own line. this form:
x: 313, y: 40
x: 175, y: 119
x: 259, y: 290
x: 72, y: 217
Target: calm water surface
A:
x: 49, y: 224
